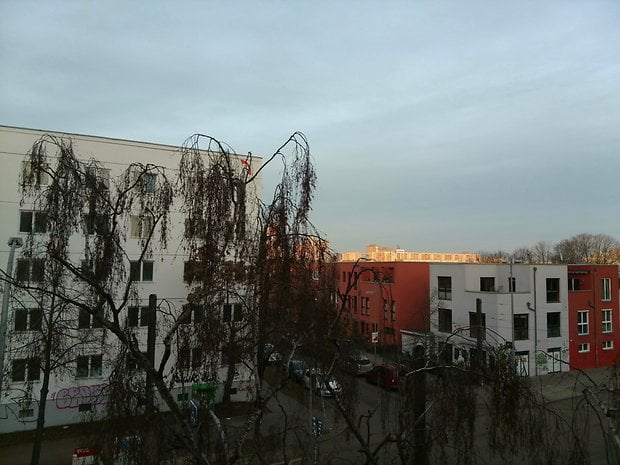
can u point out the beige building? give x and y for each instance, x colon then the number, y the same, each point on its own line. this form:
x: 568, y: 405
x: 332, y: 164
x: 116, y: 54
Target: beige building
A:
x: 379, y: 253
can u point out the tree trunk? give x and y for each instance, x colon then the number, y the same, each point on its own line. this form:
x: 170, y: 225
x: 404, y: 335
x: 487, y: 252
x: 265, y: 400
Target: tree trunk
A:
x: 38, y: 435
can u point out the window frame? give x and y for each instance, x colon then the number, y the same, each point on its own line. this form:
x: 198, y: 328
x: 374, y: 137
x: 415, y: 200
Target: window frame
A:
x: 606, y: 289
x: 521, y: 332
x: 93, y: 366
x: 583, y: 347
x: 551, y: 333
x: 552, y: 290
x: 32, y: 222
x: 583, y: 324
x: 476, y: 326
x: 606, y: 321
x: 26, y: 266
x: 141, y: 271
x: 487, y: 284
x: 32, y: 318
x: 444, y: 287
x: 30, y: 368
x: 444, y: 324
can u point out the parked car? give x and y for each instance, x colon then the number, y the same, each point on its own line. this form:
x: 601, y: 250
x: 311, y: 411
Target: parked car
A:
x: 296, y: 369
x: 318, y: 381
x: 356, y: 364
x: 387, y: 375
x: 272, y: 356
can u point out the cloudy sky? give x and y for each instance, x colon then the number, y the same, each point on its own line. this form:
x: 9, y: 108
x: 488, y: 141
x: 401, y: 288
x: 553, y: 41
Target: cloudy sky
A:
x: 443, y: 126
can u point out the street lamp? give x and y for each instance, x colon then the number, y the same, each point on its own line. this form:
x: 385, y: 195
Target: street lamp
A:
x: 14, y: 243
x: 533, y: 309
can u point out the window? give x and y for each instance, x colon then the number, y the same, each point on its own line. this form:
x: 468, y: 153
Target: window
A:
x: 582, y: 322
x: 89, y: 366
x: 606, y: 289
x: 196, y: 314
x: 608, y: 345
x: 512, y: 284
x: 30, y: 270
x: 132, y: 364
x: 553, y: 290
x: 87, y: 320
x: 553, y: 324
x: 190, y: 358
x: 487, y: 284
x: 149, y: 181
x: 28, y: 319
x: 477, y: 327
x: 191, y: 271
x: 606, y: 321
x: 554, y: 359
x: 444, y: 287
x: 95, y: 224
x: 232, y: 312
x: 385, y: 309
x: 583, y: 348
x: 26, y: 369
x: 137, y: 316
x: 140, y: 226
x: 98, y: 178
x: 445, y: 320
x: 354, y: 304
x: 393, y: 310
x: 31, y: 221
x: 521, y: 326
x: 574, y: 284
x: 35, y: 173
x: 141, y: 271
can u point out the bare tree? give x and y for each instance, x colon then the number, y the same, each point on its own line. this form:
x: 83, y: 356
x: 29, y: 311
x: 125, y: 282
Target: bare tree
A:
x: 587, y: 248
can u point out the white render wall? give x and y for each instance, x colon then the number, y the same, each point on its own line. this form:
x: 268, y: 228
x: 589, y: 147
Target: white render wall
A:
x: 66, y: 394
x: 499, y: 307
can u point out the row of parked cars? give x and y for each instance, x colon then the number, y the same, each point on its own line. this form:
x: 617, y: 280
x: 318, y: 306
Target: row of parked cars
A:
x: 357, y: 364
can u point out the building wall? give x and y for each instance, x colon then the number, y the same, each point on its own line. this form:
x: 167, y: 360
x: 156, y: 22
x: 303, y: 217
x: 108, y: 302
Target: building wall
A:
x: 385, y: 285
x: 599, y: 345
x: 168, y: 265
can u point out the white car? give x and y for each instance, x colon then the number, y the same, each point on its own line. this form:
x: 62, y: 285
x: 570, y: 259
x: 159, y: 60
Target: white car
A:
x: 320, y: 383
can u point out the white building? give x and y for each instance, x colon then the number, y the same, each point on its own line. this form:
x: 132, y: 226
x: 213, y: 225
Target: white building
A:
x: 521, y: 304
x: 77, y: 393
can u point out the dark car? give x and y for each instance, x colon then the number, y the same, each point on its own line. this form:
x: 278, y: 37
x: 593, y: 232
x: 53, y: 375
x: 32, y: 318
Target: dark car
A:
x: 296, y: 369
x: 356, y: 364
x: 386, y: 375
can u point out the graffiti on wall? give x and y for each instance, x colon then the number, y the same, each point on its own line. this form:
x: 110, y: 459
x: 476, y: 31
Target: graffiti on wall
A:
x: 73, y: 397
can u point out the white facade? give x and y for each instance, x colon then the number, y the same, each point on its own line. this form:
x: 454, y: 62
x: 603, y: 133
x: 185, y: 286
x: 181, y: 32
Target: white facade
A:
x: 69, y: 393
x: 532, y: 315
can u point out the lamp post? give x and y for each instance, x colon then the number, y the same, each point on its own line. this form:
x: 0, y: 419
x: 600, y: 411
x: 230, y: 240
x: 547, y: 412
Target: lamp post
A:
x: 14, y: 243
x: 533, y: 309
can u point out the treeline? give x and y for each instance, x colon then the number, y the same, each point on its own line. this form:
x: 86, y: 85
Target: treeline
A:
x: 581, y: 248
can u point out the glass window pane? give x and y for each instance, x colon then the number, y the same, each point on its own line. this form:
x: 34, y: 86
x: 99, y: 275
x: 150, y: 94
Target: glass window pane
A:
x: 25, y: 221
x: 134, y: 271
x: 147, y: 271
x: 21, y: 320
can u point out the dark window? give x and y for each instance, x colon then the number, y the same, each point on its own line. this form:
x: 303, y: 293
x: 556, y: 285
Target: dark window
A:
x: 512, y: 284
x: 477, y: 327
x: 444, y: 287
x: 30, y: 270
x: 141, y: 271
x: 89, y: 366
x: 28, y: 369
x: 445, y: 320
x: 487, y: 284
x: 95, y: 224
x: 553, y: 290
x: 574, y: 284
x: 521, y: 327
x: 191, y: 270
x: 86, y: 320
x: 232, y: 312
x: 28, y: 319
x: 553, y: 324
x: 137, y: 316
x: 32, y: 221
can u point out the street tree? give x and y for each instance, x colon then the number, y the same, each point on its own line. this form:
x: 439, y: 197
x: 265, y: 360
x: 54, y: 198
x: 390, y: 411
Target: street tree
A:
x: 259, y: 261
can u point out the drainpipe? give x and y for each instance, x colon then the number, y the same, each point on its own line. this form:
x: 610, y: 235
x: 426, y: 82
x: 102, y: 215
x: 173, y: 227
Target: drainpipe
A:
x: 14, y: 243
x: 533, y: 309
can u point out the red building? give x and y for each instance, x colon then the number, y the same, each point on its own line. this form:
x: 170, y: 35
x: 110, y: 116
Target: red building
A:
x: 384, y: 297
x: 594, y: 314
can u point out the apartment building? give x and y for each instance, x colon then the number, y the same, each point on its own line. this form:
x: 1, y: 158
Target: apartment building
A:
x: 379, y: 253
x: 383, y: 298
x: 522, y: 306
x: 593, y: 315
x: 77, y: 392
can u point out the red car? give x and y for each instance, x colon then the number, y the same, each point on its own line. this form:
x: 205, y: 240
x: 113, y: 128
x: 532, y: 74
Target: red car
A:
x: 386, y: 376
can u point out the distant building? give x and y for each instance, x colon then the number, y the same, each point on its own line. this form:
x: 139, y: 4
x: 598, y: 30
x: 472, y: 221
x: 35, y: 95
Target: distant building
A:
x: 385, y: 254
x: 384, y: 297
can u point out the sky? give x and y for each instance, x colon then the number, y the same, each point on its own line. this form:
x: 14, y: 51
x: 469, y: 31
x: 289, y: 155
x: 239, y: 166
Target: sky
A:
x: 442, y: 126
